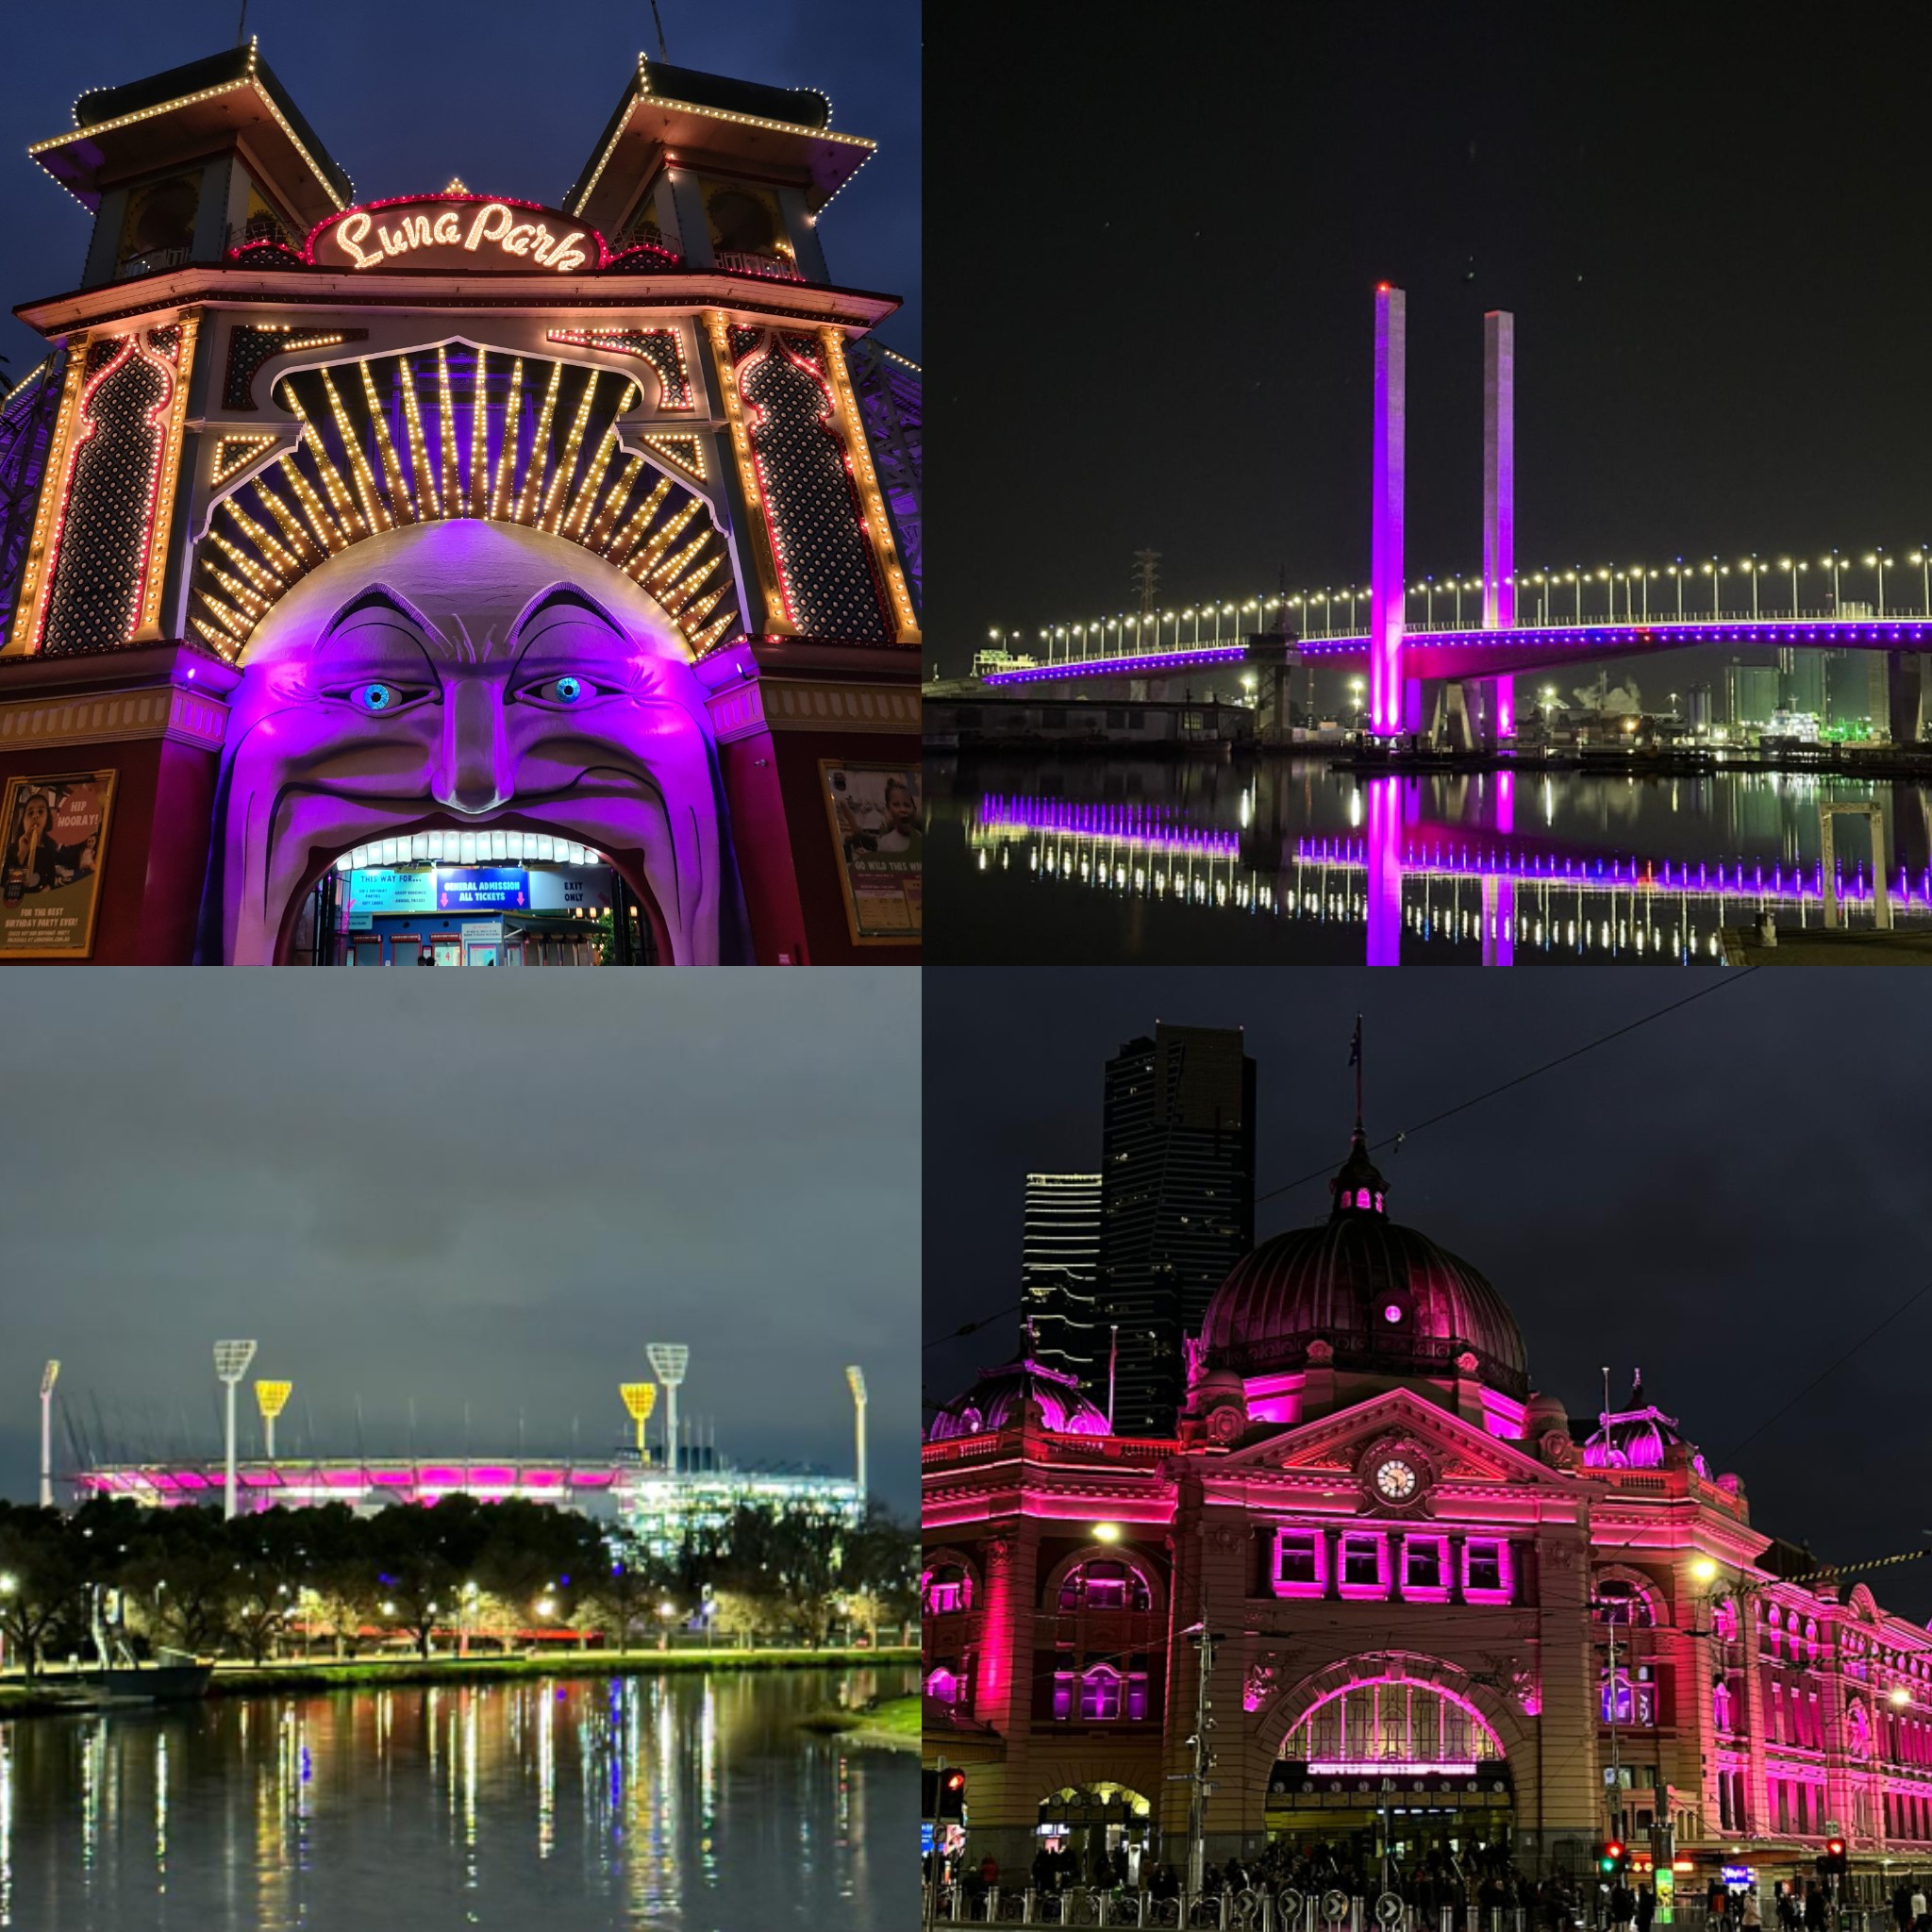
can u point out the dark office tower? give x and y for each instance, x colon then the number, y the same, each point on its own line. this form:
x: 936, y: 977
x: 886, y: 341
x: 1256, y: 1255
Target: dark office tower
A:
x: 1177, y: 1204
x: 1059, y: 1261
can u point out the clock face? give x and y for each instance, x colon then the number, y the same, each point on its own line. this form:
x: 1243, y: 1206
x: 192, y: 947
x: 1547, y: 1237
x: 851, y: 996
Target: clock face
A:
x: 1396, y: 1479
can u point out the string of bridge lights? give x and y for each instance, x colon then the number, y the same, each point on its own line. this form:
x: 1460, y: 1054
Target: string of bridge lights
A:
x: 1542, y: 597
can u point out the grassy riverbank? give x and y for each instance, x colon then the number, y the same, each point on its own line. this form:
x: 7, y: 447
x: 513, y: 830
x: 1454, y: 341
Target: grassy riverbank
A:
x: 18, y: 1699
x: 894, y: 1723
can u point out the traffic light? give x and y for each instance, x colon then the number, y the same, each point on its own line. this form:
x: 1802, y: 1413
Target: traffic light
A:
x: 1835, y: 1862
x: 945, y: 1794
x: 1611, y: 1857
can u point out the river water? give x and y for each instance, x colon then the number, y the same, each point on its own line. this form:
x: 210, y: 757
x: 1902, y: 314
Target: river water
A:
x: 1209, y: 862
x: 681, y: 1802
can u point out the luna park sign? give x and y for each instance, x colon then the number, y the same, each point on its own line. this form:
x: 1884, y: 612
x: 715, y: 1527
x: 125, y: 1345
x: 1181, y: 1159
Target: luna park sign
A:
x: 464, y: 232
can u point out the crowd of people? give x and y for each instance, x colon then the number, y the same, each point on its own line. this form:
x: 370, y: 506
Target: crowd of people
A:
x: 1469, y: 1884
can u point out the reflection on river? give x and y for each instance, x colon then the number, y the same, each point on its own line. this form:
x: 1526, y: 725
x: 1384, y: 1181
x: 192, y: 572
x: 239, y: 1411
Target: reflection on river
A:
x: 683, y: 1802
x: 1210, y: 862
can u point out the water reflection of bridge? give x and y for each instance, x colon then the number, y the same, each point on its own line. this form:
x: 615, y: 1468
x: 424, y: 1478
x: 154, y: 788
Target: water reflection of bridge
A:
x: 1507, y: 887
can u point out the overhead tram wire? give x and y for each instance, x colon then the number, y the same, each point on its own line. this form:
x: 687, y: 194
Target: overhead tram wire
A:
x: 1323, y: 1173
x: 1831, y: 1368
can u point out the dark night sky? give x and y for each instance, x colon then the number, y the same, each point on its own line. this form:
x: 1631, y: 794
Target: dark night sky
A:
x: 510, y: 96
x: 484, y: 1190
x: 1712, y: 237
x: 1726, y: 1198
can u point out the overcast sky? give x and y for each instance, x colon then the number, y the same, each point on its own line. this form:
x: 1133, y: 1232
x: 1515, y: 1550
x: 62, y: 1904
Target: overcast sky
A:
x: 484, y: 1189
x: 509, y: 95
x: 1727, y: 1197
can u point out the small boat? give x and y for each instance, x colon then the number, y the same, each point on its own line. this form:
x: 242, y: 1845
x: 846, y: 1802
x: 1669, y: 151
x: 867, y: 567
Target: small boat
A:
x: 145, y: 1684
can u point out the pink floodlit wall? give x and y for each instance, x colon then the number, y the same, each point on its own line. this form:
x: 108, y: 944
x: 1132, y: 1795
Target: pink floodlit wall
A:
x: 1499, y: 496
x: 1502, y: 1415
x: 1275, y: 1398
x: 1385, y: 588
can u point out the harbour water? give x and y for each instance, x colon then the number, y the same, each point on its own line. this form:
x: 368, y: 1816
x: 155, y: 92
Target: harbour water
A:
x: 1291, y: 862
x: 690, y: 1803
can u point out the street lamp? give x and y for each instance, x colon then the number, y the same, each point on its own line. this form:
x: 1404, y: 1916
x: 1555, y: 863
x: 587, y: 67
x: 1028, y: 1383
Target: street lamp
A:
x: 1754, y: 570
x: 669, y: 1360
x: 231, y: 1364
x: 1570, y: 576
x: 1795, y: 565
x: 1833, y: 563
x: 1679, y: 573
x: 1714, y: 571
x: 1106, y: 1532
x: 1878, y: 560
x: 1922, y: 558
x: 271, y: 1398
x: 855, y: 1380
x: 640, y: 1400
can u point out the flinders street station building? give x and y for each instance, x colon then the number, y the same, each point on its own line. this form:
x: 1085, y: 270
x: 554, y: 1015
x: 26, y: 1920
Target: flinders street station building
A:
x: 1440, y: 1609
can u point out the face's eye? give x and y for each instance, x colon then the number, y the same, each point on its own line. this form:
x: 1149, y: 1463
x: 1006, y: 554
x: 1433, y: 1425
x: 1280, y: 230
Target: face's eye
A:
x: 378, y: 697
x: 561, y: 692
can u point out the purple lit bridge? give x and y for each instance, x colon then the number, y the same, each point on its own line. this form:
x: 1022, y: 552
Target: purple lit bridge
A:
x: 1455, y: 681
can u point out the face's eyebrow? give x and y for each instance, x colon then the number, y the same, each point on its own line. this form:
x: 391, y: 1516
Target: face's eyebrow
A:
x: 560, y: 597
x: 379, y: 600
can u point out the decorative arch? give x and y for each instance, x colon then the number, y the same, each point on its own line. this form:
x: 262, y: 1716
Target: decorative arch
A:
x: 454, y: 431
x: 1482, y: 1704
x: 1641, y: 1588
x: 1863, y: 1603
x: 1099, y: 1552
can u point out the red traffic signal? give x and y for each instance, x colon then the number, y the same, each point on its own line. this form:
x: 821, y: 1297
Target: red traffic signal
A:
x: 955, y: 1780
x: 1834, y: 1848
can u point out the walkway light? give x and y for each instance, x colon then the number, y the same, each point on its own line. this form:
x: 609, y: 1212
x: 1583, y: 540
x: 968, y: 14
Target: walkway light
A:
x: 1703, y: 1570
x: 1106, y: 1532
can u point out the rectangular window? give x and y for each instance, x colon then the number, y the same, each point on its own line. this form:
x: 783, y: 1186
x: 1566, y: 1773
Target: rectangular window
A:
x: 1422, y: 1567
x: 1137, y: 1696
x: 1301, y: 1562
x: 1486, y: 1571
x: 1364, y: 1565
x: 1062, y: 1695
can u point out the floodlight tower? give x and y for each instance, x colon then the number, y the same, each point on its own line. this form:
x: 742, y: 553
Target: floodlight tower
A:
x: 271, y: 1398
x: 855, y: 1380
x: 669, y: 1360
x: 231, y: 1364
x: 49, y: 1376
x: 639, y: 1399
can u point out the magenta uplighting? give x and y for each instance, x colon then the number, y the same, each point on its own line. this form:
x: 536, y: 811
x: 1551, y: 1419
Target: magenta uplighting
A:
x: 1499, y: 496
x: 1386, y: 584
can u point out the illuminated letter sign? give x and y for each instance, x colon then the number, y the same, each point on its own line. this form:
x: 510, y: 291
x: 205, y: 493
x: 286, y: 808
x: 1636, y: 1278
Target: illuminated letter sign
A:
x: 463, y: 232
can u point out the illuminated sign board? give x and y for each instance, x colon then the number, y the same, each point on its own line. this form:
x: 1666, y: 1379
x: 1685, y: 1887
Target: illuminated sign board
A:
x: 478, y: 888
x: 372, y: 892
x: 464, y: 232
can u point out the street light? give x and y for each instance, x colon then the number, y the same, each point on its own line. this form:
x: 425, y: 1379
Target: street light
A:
x: 669, y: 1360
x: 1922, y: 558
x: 1106, y: 1532
x: 1879, y: 560
x: 1754, y: 570
x: 271, y: 1398
x: 1714, y: 570
x: 231, y: 1364
x: 1833, y: 563
x: 1793, y: 564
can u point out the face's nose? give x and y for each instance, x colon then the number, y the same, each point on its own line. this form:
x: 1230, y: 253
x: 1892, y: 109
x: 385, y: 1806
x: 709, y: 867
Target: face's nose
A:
x: 473, y: 772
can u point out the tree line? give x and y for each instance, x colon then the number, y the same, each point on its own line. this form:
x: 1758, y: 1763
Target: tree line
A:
x: 286, y: 1582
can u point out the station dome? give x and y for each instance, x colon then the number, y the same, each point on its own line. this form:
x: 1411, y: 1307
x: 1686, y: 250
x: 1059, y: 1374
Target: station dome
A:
x: 1379, y: 1295
x: 1002, y: 1398
x: 1638, y: 1436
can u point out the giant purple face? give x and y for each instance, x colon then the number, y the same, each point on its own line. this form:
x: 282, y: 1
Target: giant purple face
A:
x: 468, y: 674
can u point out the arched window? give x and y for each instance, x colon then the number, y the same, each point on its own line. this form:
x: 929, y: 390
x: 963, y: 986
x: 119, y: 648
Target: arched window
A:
x: 1416, y: 1726
x: 1105, y: 1583
x: 1620, y: 1601
x: 944, y: 1683
x: 1721, y: 1707
x: 948, y: 1587
x: 1629, y: 1697
x: 1101, y: 1693
x: 1724, y: 1622
x: 1810, y: 1638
